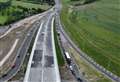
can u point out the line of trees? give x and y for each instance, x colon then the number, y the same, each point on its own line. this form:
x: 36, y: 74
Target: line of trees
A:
x: 16, y: 15
x: 50, y: 2
x: 4, y: 5
x: 85, y: 1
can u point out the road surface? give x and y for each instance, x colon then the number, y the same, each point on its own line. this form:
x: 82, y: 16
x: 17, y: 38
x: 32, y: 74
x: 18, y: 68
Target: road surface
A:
x: 42, y: 65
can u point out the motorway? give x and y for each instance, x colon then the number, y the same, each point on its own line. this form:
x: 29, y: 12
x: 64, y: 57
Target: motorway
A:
x: 42, y: 65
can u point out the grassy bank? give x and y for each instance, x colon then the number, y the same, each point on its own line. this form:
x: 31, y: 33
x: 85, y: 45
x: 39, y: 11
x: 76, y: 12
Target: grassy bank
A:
x: 60, y: 58
x: 95, y: 28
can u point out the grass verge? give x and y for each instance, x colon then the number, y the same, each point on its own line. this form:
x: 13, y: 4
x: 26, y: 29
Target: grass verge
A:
x: 60, y: 58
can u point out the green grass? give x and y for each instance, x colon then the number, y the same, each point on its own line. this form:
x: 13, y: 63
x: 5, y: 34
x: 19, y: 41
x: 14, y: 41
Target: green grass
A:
x: 60, y: 58
x: 30, y: 5
x: 16, y: 11
x: 3, y: 19
x: 3, y: 0
x: 95, y: 28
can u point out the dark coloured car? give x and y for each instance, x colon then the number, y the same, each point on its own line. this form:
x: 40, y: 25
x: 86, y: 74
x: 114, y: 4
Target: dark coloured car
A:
x: 80, y: 80
x: 18, y: 56
x: 14, y: 66
x: 4, y: 75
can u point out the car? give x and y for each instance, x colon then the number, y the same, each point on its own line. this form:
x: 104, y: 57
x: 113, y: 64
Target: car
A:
x: 42, y: 33
x: 18, y: 56
x: 13, y: 66
x: 58, y: 33
x: 80, y: 80
x: 4, y: 75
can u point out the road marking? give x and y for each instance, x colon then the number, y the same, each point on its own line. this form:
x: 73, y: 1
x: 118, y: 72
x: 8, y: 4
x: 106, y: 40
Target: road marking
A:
x: 32, y: 54
x: 44, y: 50
x: 54, y: 53
x: 9, y: 53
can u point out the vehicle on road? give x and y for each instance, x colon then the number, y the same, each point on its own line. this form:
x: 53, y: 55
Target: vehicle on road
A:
x: 18, y: 56
x: 42, y: 33
x: 4, y: 75
x: 80, y: 80
x: 14, y: 66
x: 68, y: 58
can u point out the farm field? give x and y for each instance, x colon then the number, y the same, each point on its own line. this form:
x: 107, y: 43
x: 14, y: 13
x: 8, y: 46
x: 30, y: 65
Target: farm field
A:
x: 95, y: 29
x: 11, y: 11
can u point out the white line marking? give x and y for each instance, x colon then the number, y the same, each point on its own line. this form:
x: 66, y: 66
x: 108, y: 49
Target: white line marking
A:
x: 31, y: 56
x: 9, y: 53
x: 44, y: 50
x: 54, y: 53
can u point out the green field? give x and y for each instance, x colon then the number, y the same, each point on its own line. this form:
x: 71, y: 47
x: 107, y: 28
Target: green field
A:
x: 3, y: 0
x: 16, y: 10
x: 30, y: 5
x: 95, y: 29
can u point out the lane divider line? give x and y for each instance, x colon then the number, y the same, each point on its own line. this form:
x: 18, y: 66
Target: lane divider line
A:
x: 54, y: 53
x: 31, y: 55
